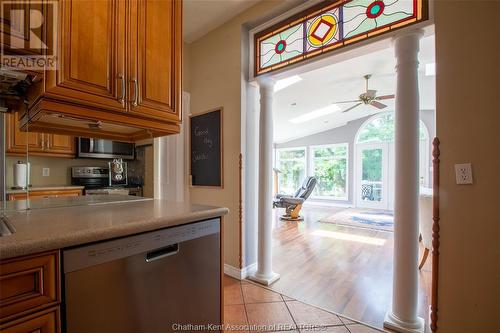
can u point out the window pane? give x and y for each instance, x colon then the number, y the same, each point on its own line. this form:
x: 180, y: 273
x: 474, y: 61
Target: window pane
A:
x: 381, y: 129
x: 330, y: 169
x: 371, y: 182
x: 292, y: 164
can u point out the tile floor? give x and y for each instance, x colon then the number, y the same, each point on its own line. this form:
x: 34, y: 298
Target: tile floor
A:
x: 251, y: 307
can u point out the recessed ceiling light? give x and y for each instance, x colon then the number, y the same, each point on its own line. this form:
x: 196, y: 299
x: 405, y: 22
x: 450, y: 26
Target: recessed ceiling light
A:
x: 316, y: 114
x: 282, y: 84
x: 430, y: 69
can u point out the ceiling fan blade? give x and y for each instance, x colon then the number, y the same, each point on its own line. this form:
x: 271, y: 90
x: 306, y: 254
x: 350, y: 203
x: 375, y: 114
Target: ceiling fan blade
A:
x: 385, y: 97
x: 352, y: 107
x: 378, y: 105
x: 343, y: 102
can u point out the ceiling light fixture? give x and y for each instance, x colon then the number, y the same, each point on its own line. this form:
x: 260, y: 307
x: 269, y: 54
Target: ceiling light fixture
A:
x: 430, y: 69
x: 282, y: 84
x: 316, y: 114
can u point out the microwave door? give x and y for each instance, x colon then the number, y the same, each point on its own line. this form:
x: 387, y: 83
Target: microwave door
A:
x: 108, y: 149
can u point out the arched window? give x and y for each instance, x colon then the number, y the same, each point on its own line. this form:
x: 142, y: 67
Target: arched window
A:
x: 380, y: 128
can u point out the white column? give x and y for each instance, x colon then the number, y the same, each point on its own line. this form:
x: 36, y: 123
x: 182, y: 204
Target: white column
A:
x: 264, y: 273
x: 403, y: 316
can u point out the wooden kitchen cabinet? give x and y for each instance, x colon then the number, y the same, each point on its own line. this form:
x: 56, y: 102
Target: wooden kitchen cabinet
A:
x: 92, y: 51
x: 28, y: 285
x: 38, y: 144
x: 120, y: 71
x: 60, y: 144
x: 34, y: 194
x: 152, y: 39
x: 47, y: 321
x: 18, y: 142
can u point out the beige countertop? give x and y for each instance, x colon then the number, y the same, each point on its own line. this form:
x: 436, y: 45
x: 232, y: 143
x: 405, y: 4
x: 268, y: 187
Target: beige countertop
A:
x: 46, y: 188
x: 44, y: 229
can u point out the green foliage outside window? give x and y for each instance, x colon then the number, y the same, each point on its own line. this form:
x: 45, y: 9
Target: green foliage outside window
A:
x: 330, y: 169
x: 292, y: 164
x: 381, y: 129
x: 372, y: 165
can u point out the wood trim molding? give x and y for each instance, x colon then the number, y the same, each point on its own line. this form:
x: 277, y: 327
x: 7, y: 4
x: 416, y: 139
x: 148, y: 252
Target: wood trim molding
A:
x: 240, y: 207
x: 221, y: 286
x: 435, y: 234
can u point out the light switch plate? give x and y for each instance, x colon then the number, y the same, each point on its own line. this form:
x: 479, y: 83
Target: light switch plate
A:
x: 45, y: 172
x: 463, y: 173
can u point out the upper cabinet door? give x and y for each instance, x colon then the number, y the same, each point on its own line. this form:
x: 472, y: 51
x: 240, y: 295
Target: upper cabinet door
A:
x: 155, y: 58
x: 60, y: 144
x: 91, y: 53
x: 18, y: 142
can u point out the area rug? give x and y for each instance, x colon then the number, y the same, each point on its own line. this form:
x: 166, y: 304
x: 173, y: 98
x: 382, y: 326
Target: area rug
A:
x: 363, y: 218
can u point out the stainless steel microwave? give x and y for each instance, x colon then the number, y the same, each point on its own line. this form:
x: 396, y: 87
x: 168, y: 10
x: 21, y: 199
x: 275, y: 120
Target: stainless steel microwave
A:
x: 99, y: 148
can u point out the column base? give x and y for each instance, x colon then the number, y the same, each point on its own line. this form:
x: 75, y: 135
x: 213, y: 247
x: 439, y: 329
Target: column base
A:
x: 266, y: 280
x: 394, y: 323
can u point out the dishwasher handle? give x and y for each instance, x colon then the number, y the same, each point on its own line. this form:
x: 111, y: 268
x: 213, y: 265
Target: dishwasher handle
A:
x: 163, y: 252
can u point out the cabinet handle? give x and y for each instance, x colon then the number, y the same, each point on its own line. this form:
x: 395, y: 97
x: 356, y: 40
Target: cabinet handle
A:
x: 136, y: 92
x: 121, y: 99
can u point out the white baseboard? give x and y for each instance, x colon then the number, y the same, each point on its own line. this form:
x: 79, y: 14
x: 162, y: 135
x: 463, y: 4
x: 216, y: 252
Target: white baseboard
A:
x: 237, y: 273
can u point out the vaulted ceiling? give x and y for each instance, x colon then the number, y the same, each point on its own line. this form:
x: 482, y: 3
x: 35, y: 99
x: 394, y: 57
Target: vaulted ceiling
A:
x: 344, y: 81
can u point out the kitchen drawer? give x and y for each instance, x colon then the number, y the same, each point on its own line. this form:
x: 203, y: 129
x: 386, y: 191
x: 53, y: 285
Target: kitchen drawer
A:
x: 41, y: 322
x: 28, y: 284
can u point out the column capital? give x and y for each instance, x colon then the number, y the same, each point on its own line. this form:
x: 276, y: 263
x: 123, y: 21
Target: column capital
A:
x: 410, y: 34
x: 266, y: 83
x: 407, y: 40
x: 407, y: 46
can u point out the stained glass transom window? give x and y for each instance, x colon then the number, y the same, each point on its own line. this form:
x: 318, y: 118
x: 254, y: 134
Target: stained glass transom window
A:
x: 319, y: 30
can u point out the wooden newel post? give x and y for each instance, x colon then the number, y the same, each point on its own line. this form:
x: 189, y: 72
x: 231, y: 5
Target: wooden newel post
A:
x: 435, y: 234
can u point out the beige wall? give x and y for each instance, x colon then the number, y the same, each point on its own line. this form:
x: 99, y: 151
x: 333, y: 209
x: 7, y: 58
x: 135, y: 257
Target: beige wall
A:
x: 212, y: 74
x: 468, y: 125
x: 60, y: 169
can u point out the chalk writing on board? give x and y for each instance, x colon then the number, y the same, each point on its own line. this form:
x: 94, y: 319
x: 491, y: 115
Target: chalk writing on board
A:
x: 206, y: 149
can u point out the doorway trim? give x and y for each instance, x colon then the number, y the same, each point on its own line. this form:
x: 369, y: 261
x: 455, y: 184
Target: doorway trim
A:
x: 406, y: 39
x: 358, y: 165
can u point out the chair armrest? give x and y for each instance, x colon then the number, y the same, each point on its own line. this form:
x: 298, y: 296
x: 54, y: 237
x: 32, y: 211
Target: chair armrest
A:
x: 292, y: 200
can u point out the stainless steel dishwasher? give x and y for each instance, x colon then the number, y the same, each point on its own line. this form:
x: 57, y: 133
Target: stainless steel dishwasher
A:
x: 146, y: 283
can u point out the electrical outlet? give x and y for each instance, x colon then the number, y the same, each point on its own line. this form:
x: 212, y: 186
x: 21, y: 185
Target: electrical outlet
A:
x: 45, y: 172
x: 463, y: 173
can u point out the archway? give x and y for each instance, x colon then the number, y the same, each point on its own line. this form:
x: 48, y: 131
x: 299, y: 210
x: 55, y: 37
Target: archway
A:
x: 374, y: 161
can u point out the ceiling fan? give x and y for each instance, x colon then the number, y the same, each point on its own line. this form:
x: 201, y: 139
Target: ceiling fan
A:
x: 369, y: 97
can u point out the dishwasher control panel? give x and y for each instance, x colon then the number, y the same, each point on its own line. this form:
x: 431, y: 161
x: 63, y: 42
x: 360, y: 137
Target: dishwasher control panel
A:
x: 106, y: 251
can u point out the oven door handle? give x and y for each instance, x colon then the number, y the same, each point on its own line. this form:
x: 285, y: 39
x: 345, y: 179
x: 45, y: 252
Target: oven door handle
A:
x: 161, y: 253
x: 91, y: 145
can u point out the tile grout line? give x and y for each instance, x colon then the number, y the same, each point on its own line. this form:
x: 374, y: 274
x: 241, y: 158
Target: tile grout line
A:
x: 290, y: 312
x: 244, y: 306
x: 354, y: 322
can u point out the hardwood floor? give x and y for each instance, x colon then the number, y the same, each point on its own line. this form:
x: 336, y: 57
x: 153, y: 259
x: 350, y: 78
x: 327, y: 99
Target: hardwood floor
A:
x: 341, y: 269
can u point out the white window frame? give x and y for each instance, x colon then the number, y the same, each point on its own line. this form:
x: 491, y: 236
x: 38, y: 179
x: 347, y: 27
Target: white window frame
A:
x: 310, y: 168
x: 306, y: 157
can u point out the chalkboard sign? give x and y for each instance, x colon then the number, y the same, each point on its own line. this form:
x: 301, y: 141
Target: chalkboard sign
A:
x: 206, y: 148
